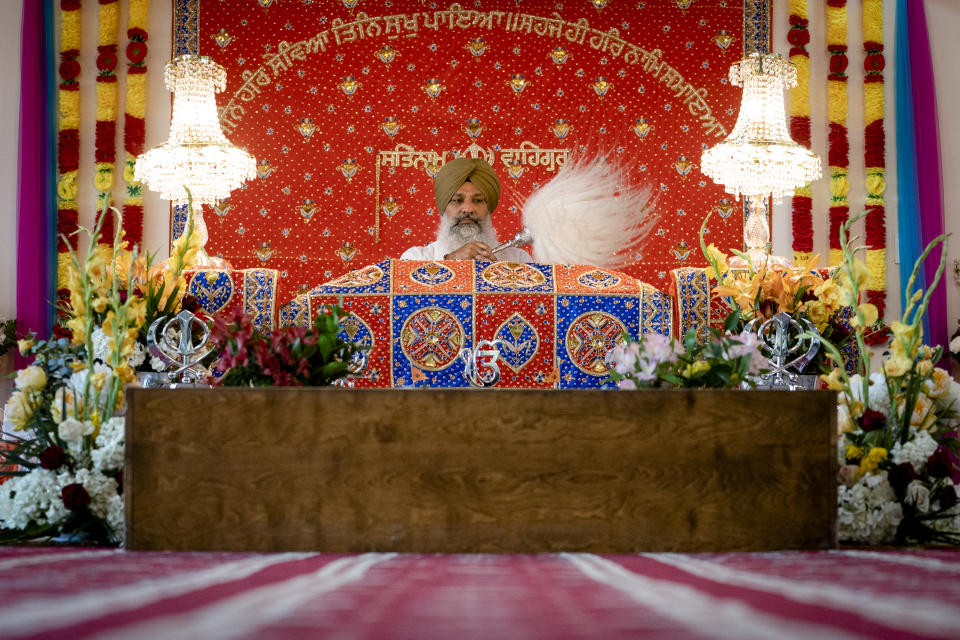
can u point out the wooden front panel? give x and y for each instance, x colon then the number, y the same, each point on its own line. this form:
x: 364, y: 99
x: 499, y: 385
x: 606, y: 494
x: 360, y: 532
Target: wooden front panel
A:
x: 343, y: 470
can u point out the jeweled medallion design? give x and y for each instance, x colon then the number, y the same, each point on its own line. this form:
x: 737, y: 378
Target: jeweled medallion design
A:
x: 512, y: 275
x: 590, y: 337
x: 431, y: 338
x: 599, y: 279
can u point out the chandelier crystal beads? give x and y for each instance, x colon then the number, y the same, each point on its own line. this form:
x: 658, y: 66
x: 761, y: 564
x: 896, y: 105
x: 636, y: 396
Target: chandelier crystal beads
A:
x: 197, y: 156
x: 759, y: 158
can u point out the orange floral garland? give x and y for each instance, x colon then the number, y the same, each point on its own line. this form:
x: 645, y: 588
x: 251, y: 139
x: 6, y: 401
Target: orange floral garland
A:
x: 874, y: 154
x: 68, y: 139
x: 838, y: 154
x: 133, y: 122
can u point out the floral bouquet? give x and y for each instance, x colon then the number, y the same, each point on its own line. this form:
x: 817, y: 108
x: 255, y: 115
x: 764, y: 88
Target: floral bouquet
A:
x: 799, y: 291
x: 725, y: 361
x: 294, y: 356
x: 898, y: 425
x: 64, y: 463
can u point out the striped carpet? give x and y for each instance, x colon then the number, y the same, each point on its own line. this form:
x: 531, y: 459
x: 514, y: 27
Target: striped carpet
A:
x: 94, y: 593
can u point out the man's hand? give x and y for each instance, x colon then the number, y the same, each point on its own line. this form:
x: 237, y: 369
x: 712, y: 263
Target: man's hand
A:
x: 475, y: 250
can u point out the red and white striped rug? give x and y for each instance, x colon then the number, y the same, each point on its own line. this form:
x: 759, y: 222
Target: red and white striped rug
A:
x: 83, y: 593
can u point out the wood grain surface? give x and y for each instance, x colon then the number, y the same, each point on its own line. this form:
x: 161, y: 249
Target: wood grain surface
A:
x: 345, y: 470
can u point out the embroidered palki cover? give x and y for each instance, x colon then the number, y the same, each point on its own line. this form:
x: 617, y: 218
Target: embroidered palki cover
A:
x: 554, y: 323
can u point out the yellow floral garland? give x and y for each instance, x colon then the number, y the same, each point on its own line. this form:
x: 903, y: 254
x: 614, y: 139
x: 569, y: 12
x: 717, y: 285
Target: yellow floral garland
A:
x: 838, y: 154
x: 137, y: 23
x: 799, y: 37
x: 873, y: 115
x: 68, y: 139
x: 108, y: 24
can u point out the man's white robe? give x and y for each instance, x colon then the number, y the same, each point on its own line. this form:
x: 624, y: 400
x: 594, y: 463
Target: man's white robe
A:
x: 436, y: 250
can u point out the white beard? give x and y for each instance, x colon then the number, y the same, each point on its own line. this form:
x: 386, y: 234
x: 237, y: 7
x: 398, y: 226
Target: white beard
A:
x: 451, y: 236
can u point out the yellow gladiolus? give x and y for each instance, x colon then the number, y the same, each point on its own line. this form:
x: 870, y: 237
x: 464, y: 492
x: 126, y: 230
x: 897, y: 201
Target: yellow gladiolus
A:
x: 833, y: 380
x: 869, y: 313
x: 897, y: 365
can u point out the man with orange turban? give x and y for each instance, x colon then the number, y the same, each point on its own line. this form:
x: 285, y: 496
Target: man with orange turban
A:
x: 467, y: 191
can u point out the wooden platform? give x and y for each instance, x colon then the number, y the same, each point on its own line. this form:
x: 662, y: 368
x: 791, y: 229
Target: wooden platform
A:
x: 343, y: 470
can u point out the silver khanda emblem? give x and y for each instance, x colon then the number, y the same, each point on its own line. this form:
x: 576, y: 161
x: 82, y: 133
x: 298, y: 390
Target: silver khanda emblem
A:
x: 480, y: 366
x: 788, y: 344
x: 175, y: 346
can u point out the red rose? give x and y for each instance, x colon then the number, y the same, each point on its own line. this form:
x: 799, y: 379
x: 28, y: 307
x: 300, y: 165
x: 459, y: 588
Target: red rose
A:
x: 52, y: 457
x: 69, y: 5
x: 838, y: 63
x: 939, y: 465
x: 900, y: 476
x: 136, y: 51
x: 872, y: 420
x: 874, y: 63
x: 75, y: 497
x: 798, y: 37
x: 137, y: 34
x: 107, y: 60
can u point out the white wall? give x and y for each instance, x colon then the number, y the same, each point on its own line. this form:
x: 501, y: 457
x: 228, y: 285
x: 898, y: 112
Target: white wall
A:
x: 10, y: 21
x: 943, y: 23
x: 943, y: 20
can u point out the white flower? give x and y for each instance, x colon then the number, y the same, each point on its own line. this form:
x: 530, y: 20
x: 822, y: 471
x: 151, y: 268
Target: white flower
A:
x: 101, y: 349
x: 72, y: 430
x: 937, y: 386
x: 916, y: 450
x: 138, y: 356
x: 109, y: 446
x: 950, y: 401
x: 33, y: 498
x: 844, y: 422
x: 626, y: 383
x: 878, y: 396
x: 31, y: 379
x: 101, y: 345
x: 918, y: 495
x: 868, y: 511
x: 955, y: 345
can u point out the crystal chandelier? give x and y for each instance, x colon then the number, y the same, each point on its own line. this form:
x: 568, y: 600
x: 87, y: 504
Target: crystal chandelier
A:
x: 196, y: 156
x: 759, y: 159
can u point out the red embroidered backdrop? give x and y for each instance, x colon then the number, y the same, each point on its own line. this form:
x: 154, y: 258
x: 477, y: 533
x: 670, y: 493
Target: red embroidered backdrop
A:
x: 350, y: 107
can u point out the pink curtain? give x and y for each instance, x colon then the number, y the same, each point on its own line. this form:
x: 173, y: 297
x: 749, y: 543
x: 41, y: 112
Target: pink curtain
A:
x: 33, y: 184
